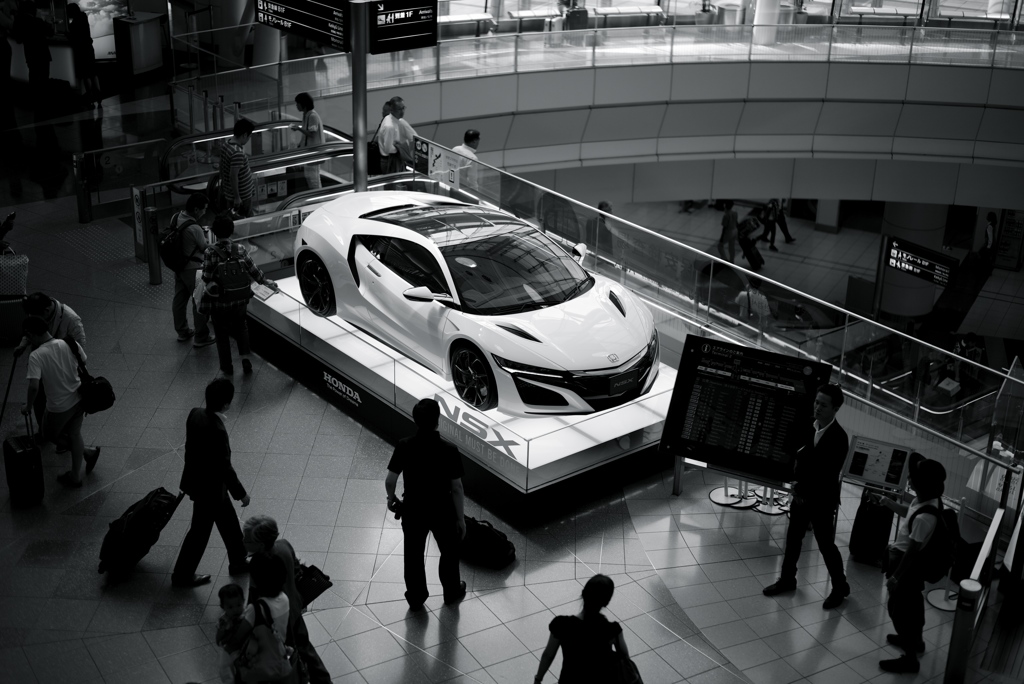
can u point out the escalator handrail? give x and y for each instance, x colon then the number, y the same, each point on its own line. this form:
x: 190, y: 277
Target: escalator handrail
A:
x: 291, y: 201
x: 227, y: 133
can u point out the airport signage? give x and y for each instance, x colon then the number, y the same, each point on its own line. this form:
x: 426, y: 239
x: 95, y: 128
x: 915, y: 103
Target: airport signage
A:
x: 325, y: 23
x: 402, y: 25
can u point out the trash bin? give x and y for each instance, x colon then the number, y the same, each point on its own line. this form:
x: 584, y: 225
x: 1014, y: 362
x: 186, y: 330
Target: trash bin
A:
x: 731, y: 15
x: 786, y: 13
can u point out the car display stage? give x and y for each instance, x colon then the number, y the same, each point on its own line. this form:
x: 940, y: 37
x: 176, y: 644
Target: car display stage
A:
x: 362, y: 374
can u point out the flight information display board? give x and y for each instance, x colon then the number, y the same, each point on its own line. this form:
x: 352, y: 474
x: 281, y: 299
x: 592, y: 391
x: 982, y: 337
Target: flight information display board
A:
x: 743, y: 410
x: 402, y: 25
x: 919, y: 261
x: 324, y: 23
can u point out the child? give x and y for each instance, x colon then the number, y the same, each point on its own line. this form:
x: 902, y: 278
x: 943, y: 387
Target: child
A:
x: 903, y: 573
x: 231, y: 629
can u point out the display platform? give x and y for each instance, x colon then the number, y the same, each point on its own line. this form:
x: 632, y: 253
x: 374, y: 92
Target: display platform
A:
x: 362, y: 373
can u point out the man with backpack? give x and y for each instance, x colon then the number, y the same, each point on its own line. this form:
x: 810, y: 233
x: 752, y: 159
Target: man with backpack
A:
x: 228, y: 272
x: 182, y: 248
x: 923, y: 551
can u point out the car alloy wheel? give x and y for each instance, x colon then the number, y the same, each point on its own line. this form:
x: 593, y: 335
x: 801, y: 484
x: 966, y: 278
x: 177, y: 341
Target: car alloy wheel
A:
x: 316, y: 285
x: 473, y: 379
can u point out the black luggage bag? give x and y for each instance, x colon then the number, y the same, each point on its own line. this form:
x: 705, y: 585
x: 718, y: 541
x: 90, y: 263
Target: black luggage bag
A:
x: 486, y: 546
x: 23, y: 461
x: 872, y: 526
x: 751, y: 253
x: 132, y: 535
x: 576, y: 19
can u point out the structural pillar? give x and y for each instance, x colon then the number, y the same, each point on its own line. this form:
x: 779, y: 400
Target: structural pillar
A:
x: 766, y: 17
x: 827, y: 217
x: 924, y: 225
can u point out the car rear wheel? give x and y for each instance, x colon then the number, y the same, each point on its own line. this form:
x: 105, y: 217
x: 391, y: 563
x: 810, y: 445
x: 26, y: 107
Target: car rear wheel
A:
x: 316, y: 285
x: 473, y: 378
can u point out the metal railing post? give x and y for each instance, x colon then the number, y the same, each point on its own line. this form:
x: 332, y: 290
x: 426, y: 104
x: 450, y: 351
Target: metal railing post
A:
x: 515, y: 55
x: 151, y: 238
x: 220, y: 108
x: 238, y: 113
x: 191, y: 112
x: 206, y: 111
x: 962, y: 638
x: 81, y: 188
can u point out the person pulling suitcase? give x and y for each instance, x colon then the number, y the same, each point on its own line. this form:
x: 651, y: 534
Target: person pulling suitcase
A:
x: 23, y: 462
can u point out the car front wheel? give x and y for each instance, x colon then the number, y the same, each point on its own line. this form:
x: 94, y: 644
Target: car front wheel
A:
x: 473, y: 378
x: 316, y: 285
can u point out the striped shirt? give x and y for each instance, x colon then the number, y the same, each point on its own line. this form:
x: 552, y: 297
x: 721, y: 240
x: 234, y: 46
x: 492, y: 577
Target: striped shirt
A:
x: 232, y: 156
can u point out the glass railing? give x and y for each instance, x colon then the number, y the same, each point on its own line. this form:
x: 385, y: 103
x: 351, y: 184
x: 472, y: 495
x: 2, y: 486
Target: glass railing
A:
x: 900, y: 389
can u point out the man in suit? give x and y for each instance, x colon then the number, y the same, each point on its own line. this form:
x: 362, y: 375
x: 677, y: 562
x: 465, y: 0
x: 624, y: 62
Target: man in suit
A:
x: 208, y: 478
x: 819, y: 462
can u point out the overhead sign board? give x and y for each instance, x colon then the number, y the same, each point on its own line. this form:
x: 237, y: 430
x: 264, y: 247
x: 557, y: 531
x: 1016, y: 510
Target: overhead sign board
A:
x: 325, y: 23
x: 402, y: 25
x: 919, y: 261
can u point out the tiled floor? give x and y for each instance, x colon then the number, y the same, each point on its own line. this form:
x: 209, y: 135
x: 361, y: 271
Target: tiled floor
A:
x: 688, y: 573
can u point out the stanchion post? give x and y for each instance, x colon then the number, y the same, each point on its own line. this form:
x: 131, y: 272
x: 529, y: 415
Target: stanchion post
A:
x: 81, y: 188
x: 962, y: 638
x: 151, y: 236
x: 360, y: 39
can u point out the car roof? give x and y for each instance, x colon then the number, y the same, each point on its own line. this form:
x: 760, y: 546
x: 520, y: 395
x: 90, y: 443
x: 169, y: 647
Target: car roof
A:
x: 449, y: 224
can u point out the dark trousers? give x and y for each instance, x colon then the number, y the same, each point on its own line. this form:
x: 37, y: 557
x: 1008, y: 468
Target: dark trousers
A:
x: 315, y: 667
x: 228, y: 323
x: 821, y: 519
x: 906, y: 603
x: 415, y: 527
x: 207, y: 512
x: 769, y: 229
x: 184, y: 285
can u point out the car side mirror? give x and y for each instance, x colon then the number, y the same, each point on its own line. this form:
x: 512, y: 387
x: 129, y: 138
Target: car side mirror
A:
x: 419, y: 294
x: 579, y: 250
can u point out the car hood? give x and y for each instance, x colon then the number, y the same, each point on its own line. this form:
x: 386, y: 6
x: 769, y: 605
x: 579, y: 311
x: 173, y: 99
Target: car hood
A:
x: 581, y: 334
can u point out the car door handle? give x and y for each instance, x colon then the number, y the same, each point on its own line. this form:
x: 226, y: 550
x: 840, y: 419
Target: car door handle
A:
x: 372, y: 270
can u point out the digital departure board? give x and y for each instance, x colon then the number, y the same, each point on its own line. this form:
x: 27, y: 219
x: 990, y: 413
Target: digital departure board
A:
x: 402, y: 25
x: 742, y: 410
x: 919, y: 261
x: 325, y: 23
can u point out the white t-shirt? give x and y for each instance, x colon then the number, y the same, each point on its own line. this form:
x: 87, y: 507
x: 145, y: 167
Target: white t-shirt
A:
x: 924, y: 525
x: 465, y: 151
x: 394, y: 130
x: 278, y: 611
x: 55, y: 366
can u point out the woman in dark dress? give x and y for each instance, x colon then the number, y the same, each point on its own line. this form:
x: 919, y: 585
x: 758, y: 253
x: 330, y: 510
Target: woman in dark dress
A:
x: 81, y: 48
x: 586, y: 639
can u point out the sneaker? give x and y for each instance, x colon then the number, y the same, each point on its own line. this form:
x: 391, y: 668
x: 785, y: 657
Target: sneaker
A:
x: 906, y: 665
x: 836, y: 598
x: 790, y: 241
x: 773, y: 248
x: 780, y: 587
x: 896, y: 641
x: 201, y: 342
x: 247, y: 366
x: 190, y: 582
x: 187, y: 335
x: 66, y: 480
x: 458, y: 596
x: 90, y: 461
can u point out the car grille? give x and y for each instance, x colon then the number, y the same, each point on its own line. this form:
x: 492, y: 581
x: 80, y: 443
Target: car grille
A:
x: 593, y: 388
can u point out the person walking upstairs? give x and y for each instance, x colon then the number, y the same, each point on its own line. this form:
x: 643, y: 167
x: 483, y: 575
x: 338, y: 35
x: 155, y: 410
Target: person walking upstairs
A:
x: 312, y: 130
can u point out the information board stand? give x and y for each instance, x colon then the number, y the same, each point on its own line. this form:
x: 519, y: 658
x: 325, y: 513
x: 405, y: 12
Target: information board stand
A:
x: 734, y: 497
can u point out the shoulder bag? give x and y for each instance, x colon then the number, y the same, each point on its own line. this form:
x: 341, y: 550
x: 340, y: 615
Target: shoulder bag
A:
x: 96, y: 392
x: 263, y: 657
x: 311, y: 582
x: 373, y: 157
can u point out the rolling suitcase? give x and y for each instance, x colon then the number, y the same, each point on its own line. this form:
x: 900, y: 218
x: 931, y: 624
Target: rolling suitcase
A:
x: 872, y: 526
x: 486, y: 546
x: 132, y: 535
x: 23, y: 462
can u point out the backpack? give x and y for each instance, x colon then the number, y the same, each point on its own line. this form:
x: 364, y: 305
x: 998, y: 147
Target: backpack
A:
x: 172, y: 247
x: 938, y: 555
x: 231, y: 278
x: 96, y: 392
x: 263, y: 657
x: 486, y: 546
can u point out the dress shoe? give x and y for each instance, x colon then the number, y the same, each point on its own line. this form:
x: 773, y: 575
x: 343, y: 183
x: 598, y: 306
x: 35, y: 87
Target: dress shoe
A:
x: 68, y: 480
x: 187, y: 335
x: 458, y: 596
x: 239, y: 569
x: 247, y: 366
x: 896, y: 641
x: 773, y: 248
x: 906, y: 665
x: 836, y: 598
x: 90, y: 461
x: 201, y: 342
x: 189, y: 582
x: 790, y: 241
x: 780, y: 587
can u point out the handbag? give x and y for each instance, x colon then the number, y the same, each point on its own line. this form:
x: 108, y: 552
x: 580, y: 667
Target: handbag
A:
x: 373, y: 156
x: 263, y: 657
x: 311, y: 582
x: 629, y: 673
x: 96, y: 392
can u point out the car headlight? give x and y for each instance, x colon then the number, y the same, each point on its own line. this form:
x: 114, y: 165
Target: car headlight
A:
x: 515, y: 366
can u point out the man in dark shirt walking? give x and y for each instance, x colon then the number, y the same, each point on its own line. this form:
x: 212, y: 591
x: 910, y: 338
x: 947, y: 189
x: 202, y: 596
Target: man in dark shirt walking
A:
x: 433, y: 503
x: 208, y: 478
x: 819, y: 462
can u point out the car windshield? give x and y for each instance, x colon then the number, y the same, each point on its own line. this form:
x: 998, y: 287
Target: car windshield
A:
x: 511, y: 270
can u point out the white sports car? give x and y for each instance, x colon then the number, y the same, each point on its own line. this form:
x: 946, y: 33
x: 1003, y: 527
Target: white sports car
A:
x: 480, y: 297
